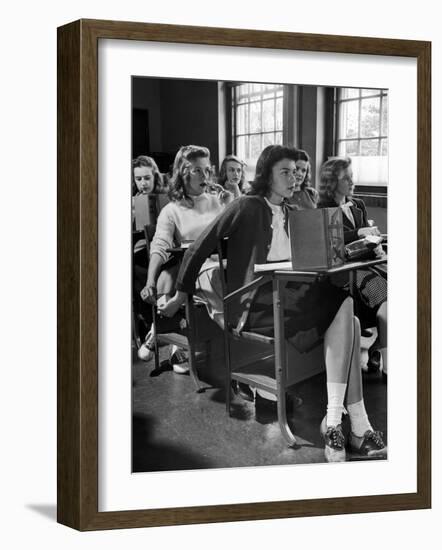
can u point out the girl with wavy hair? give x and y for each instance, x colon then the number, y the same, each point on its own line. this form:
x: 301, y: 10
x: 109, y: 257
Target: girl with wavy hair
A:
x: 191, y: 209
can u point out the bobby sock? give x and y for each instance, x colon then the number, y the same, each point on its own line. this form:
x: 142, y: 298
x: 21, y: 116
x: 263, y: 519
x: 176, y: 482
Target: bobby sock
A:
x: 358, y: 418
x: 335, y: 406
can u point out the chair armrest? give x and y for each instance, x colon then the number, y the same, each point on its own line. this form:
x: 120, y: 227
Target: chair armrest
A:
x: 377, y: 270
x: 246, y: 288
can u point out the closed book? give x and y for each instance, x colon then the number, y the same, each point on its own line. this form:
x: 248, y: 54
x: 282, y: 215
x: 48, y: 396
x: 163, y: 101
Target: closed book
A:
x: 316, y: 238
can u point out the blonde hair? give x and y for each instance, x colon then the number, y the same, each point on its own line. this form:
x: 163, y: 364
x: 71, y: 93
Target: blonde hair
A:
x: 330, y: 171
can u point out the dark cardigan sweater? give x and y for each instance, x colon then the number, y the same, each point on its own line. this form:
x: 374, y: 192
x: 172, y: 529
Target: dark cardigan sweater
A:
x: 247, y: 224
x: 359, y: 214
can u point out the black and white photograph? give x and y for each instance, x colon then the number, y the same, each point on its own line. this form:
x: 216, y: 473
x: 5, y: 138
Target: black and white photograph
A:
x: 259, y: 274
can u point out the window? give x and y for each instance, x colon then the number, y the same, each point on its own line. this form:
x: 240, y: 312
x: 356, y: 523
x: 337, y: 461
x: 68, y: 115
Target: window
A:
x: 257, y: 111
x: 362, y: 133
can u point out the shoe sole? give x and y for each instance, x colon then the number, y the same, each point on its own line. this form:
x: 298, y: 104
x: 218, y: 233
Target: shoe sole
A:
x: 145, y: 356
x: 380, y: 454
x: 179, y: 369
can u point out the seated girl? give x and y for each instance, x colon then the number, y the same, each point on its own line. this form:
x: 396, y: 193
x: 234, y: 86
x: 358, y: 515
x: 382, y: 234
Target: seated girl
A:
x: 191, y: 210
x: 146, y: 177
x: 304, y: 196
x: 336, y: 188
x: 146, y: 180
x: 256, y: 227
x: 232, y: 175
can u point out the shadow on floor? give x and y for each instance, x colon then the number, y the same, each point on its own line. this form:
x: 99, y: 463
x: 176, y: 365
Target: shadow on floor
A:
x: 176, y: 428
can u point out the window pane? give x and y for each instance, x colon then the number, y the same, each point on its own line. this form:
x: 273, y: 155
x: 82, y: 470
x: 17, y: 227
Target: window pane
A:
x: 268, y: 139
x: 349, y: 148
x: 241, y: 119
x: 370, y: 119
x: 347, y: 93
x: 242, y: 93
x: 279, y: 112
x: 278, y: 138
x: 349, y: 119
x: 256, y: 90
x: 255, y: 117
x: 384, y: 147
x: 255, y: 147
x: 369, y: 91
x: 369, y: 147
x: 384, y: 116
x: 268, y: 115
x: 242, y: 145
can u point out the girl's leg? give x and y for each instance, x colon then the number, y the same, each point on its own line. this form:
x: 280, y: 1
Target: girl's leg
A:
x: 355, y: 400
x: 338, y: 349
x: 363, y: 439
x: 382, y: 331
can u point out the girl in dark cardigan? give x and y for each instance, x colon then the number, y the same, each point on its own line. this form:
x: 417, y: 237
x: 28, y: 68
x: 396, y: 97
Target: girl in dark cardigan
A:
x: 256, y: 227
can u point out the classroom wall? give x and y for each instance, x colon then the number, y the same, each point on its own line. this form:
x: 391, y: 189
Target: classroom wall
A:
x: 189, y: 114
x: 146, y: 95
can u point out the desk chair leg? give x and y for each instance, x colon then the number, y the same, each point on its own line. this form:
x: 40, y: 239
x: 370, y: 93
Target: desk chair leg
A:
x: 155, y: 338
x: 228, y: 371
x: 135, y: 332
x: 280, y: 361
x: 191, y: 339
x: 287, y: 433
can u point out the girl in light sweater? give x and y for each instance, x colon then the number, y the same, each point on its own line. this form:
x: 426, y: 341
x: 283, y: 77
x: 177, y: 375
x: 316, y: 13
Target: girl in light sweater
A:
x: 190, y: 211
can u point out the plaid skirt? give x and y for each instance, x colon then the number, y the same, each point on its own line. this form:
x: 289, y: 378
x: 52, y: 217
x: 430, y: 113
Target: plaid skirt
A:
x: 372, y: 289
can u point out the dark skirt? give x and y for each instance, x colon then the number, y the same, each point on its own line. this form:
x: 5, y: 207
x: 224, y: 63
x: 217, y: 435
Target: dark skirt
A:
x: 309, y: 309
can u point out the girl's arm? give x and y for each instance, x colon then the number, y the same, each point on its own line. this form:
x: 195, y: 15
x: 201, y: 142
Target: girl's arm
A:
x: 162, y: 240
x: 224, y: 225
x: 149, y: 292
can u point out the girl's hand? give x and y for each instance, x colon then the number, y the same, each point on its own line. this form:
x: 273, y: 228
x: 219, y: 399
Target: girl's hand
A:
x: 233, y: 188
x: 365, y: 231
x: 170, y: 308
x: 379, y: 251
x: 149, y: 293
x: 224, y: 195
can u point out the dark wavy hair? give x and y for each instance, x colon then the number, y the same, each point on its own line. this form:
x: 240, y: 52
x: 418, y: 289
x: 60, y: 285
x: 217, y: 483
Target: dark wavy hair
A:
x: 181, y: 166
x: 272, y: 154
x: 144, y: 160
x: 330, y: 171
x: 303, y: 155
x: 222, y: 178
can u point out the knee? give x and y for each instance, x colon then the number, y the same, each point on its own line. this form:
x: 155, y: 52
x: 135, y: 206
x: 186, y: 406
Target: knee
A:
x: 357, y: 325
x: 381, y: 315
x: 347, y: 307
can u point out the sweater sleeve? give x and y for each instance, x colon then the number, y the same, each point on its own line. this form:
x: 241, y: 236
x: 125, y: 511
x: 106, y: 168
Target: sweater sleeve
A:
x: 223, y: 226
x: 164, y: 233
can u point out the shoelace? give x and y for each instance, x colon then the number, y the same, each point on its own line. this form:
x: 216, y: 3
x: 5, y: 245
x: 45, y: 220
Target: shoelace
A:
x: 336, y: 437
x: 376, y: 437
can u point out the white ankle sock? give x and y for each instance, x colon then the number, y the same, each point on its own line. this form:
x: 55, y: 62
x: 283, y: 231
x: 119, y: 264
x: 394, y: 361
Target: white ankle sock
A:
x: 384, y: 359
x: 358, y: 418
x: 335, y: 405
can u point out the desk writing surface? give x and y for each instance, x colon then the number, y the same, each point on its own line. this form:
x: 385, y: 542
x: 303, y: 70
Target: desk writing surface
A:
x: 286, y: 267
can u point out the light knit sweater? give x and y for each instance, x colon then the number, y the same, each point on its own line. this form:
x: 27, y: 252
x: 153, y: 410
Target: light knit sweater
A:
x: 178, y: 221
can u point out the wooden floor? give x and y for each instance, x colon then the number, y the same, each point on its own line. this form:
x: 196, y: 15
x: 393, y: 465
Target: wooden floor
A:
x: 174, y: 428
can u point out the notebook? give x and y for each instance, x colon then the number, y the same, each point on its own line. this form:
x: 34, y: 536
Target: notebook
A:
x: 147, y: 208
